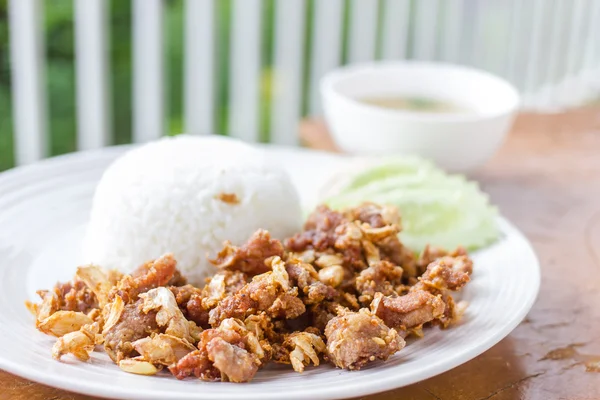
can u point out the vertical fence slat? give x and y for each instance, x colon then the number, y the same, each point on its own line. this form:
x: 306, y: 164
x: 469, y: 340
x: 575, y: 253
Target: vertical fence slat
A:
x: 451, y: 35
x: 575, y: 39
x: 535, y: 47
x: 326, y: 46
x: 245, y: 69
x: 363, y: 30
x: 91, y: 61
x: 468, y: 41
x: 581, y: 74
x: 395, y: 29
x: 425, y: 29
x: 491, y: 35
x: 513, y: 42
x: 480, y: 54
x: 289, y: 44
x: 199, y: 72
x: 28, y: 90
x: 558, y: 40
x: 148, y: 67
x: 572, y: 90
x: 591, y: 42
x: 592, y: 51
x: 539, y: 88
x: 520, y: 29
x: 595, y: 57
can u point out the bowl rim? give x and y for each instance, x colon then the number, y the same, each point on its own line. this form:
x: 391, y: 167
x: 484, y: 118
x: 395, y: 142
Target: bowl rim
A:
x: 334, y: 76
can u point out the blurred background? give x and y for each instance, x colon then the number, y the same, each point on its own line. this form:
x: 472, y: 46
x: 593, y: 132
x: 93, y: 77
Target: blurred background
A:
x: 82, y: 74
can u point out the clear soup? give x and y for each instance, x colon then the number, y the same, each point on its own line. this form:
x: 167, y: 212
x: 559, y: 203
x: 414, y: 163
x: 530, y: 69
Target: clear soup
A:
x: 416, y: 104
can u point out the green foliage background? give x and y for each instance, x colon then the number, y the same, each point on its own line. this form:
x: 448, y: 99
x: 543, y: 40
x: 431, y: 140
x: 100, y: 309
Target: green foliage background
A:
x: 60, y: 68
x: 60, y: 72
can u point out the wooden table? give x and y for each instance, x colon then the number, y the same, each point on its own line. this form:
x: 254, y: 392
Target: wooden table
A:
x: 546, y: 180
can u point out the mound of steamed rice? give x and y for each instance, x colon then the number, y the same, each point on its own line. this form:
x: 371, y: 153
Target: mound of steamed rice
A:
x: 187, y: 195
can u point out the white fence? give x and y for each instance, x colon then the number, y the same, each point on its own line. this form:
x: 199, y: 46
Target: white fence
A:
x: 550, y: 49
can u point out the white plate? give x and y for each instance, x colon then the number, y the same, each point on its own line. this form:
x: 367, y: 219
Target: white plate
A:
x: 43, y: 212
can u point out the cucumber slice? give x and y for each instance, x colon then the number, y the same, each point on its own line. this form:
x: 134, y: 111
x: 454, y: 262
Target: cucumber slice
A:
x: 408, y: 166
x: 436, y: 208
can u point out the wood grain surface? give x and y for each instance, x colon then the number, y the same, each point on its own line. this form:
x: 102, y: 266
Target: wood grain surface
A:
x: 546, y: 179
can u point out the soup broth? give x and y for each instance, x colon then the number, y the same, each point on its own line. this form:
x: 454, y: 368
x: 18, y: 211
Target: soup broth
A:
x: 416, y: 104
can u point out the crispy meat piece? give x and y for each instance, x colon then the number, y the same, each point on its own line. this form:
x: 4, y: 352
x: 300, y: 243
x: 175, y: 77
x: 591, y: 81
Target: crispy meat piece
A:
x: 319, y: 231
x: 322, y: 313
x: 260, y: 325
x: 250, y: 258
x: 349, y: 243
x: 235, y: 363
x: 358, y: 237
x: 131, y: 324
x: 307, y: 279
x: 373, y: 214
x: 359, y: 244
x: 263, y: 328
x: 362, y: 245
x: 287, y: 306
x: 349, y: 300
x: 195, y: 364
x: 382, y: 276
x: 239, y: 305
x: 177, y: 280
x: 184, y: 293
x: 229, y: 352
x: 168, y: 315
x: 220, y: 285
x: 99, y: 281
x: 270, y: 292
x: 190, y: 302
x: 266, y: 302
x: 409, y: 311
x: 66, y: 308
x: 452, y: 311
x: 381, y: 225
x: 196, y: 312
x: 251, y: 341
x: 323, y: 219
x: 148, y: 276
x: 390, y: 248
x: 432, y: 253
x: 445, y: 274
x: 429, y: 300
x: 234, y: 281
x: 356, y: 338
x: 75, y: 296
x: 448, y: 272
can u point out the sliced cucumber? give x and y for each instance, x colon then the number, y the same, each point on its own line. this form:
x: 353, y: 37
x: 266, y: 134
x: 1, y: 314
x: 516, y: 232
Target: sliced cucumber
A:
x: 437, y: 208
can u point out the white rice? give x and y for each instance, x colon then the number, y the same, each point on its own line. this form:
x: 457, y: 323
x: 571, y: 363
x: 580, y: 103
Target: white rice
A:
x: 164, y: 197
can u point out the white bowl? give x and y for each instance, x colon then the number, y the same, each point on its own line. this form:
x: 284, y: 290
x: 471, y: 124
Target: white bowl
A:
x: 455, y: 141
